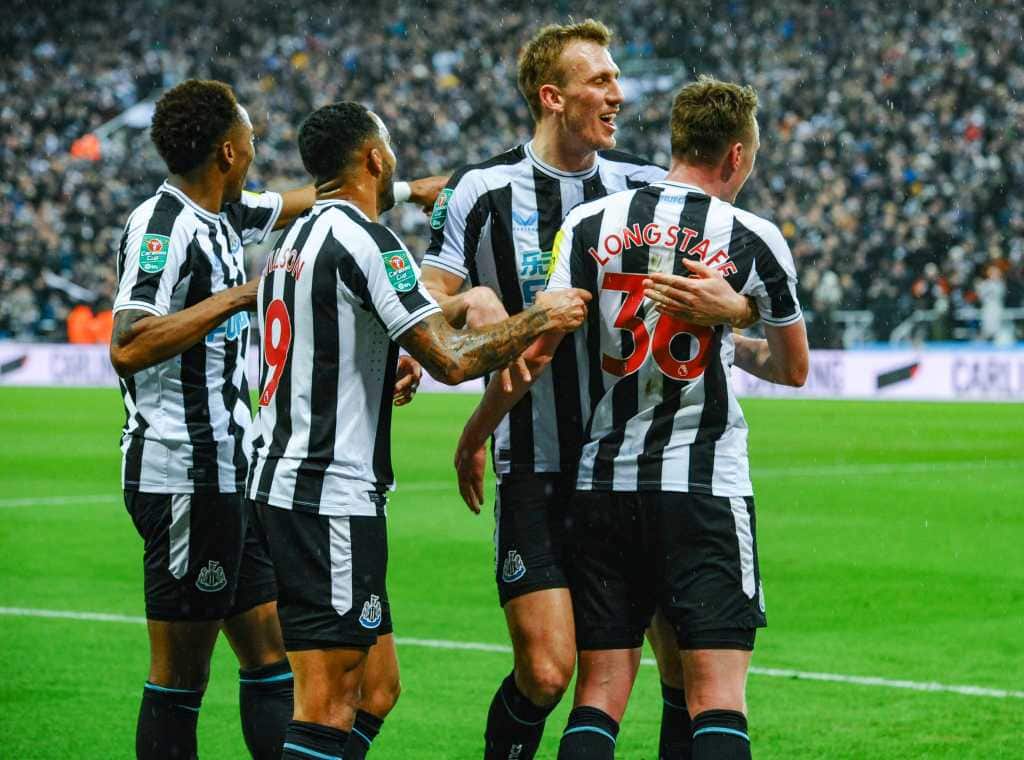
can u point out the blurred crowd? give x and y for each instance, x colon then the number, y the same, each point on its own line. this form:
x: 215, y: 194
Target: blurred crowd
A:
x: 891, y: 155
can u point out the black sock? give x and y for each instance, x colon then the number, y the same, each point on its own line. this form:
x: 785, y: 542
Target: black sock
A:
x: 514, y: 724
x: 265, y: 702
x: 589, y: 735
x: 720, y: 735
x: 364, y: 731
x: 305, y: 740
x: 167, y: 723
x: 675, y: 725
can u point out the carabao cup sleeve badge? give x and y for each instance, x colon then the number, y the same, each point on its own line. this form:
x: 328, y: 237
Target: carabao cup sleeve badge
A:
x: 153, y: 253
x: 440, y: 212
x: 401, y: 273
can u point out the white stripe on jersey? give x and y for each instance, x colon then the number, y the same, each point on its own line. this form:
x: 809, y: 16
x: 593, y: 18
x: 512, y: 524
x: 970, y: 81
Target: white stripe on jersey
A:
x: 666, y: 418
x: 329, y: 312
x: 180, y: 431
x: 498, y: 230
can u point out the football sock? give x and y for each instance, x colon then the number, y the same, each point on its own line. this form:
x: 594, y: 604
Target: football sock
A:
x: 514, y: 724
x: 720, y: 735
x: 265, y: 702
x: 303, y: 741
x: 675, y: 725
x: 167, y: 723
x: 364, y: 731
x: 589, y: 735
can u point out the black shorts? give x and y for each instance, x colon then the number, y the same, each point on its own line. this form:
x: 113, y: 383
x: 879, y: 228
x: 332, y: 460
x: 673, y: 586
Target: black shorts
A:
x: 692, y: 555
x: 529, y: 533
x: 204, y: 558
x: 331, y: 577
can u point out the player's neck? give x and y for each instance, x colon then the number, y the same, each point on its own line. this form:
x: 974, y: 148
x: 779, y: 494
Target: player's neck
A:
x: 556, y: 148
x: 707, y: 179
x: 200, y: 190
x: 362, y: 195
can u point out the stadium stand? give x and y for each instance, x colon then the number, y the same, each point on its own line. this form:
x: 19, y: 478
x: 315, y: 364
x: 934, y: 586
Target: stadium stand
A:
x: 891, y: 132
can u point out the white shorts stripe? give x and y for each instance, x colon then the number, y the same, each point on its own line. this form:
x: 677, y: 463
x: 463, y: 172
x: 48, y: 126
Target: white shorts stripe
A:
x: 341, y: 564
x: 181, y: 507
x: 745, y: 539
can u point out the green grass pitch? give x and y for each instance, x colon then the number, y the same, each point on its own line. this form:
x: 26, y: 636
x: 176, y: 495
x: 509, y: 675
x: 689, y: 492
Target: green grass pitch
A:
x: 891, y: 540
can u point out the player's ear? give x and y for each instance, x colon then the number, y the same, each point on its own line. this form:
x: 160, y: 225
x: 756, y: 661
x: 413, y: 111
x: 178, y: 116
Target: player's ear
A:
x: 375, y: 162
x: 551, y: 98
x: 226, y: 154
x: 733, y: 159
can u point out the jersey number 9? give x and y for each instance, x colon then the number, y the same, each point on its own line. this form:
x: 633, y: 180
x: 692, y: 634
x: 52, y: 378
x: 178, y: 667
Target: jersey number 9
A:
x: 277, y: 339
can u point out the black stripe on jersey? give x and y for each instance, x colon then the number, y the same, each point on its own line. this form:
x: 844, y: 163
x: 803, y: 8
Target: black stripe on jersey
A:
x: 774, y: 277
x: 583, y: 274
x: 593, y: 188
x: 713, y: 419
x: 650, y: 462
x: 194, y: 386
x: 478, y: 216
x: 283, y: 395
x: 161, y: 222
x: 323, y: 401
x: 133, y: 456
x: 622, y: 157
x: 122, y: 249
x: 564, y: 378
x: 382, y: 472
x: 244, y: 218
x: 625, y: 393
x: 520, y: 419
x: 386, y: 241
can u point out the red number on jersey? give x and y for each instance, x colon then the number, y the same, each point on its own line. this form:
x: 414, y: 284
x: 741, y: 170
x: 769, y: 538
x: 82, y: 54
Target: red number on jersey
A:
x: 275, y: 350
x: 666, y: 329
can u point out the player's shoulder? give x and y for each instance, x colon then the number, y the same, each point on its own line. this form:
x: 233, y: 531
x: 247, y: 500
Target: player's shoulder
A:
x: 588, y: 209
x: 482, y: 173
x: 363, y: 234
x: 616, y: 156
x: 167, y: 210
x: 757, y: 227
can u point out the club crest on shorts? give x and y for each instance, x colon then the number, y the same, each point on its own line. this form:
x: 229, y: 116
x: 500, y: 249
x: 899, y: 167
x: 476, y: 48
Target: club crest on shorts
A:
x: 212, y: 577
x: 370, y: 616
x: 513, y: 568
x: 401, y: 273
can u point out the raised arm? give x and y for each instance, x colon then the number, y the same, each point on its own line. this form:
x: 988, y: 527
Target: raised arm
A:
x: 454, y: 356
x: 141, y: 339
x: 294, y: 203
x: 781, y: 357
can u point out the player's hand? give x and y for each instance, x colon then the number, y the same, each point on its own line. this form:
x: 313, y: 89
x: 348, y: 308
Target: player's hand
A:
x: 407, y: 380
x: 706, y: 298
x: 246, y: 293
x: 469, y: 468
x: 423, y: 192
x: 566, y: 308
x: 483, y: 307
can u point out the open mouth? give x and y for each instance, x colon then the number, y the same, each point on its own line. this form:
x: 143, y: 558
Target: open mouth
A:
x: 609, y: 119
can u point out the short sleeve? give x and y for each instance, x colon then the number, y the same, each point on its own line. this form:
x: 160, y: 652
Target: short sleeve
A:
x: 254, y: 215
x: 153, y: 253
x: 772, y: 281
x: 456, y: 223
x: 382, y: 276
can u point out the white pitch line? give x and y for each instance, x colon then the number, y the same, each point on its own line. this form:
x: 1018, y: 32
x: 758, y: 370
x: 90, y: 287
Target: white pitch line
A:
x: 823, y: 471
x: 801, y: 675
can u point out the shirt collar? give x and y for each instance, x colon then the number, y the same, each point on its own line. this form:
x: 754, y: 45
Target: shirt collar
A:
x: 180, y: 194
x: 554, y: 172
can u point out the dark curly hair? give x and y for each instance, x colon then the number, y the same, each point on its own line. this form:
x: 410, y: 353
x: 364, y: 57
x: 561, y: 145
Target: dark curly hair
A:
x: 330, y: 136
x: 190, y: 120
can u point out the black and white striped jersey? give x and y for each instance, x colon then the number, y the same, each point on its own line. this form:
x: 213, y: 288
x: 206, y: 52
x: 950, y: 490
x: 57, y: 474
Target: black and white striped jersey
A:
x: 187, y: 419
x: 337, y: 291
x: 656, y: 390
x: 495, y: 224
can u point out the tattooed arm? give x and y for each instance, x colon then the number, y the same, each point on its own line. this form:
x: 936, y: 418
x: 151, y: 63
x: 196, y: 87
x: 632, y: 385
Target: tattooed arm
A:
x: 140, y: 339
x: 453, y: 356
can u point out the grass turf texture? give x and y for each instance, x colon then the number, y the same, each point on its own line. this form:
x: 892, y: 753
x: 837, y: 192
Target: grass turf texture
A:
x: 890, y: 540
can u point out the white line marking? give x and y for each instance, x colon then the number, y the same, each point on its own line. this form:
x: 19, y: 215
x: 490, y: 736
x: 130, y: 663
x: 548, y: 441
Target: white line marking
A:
x: 823, y: 471
x: 968, y: 691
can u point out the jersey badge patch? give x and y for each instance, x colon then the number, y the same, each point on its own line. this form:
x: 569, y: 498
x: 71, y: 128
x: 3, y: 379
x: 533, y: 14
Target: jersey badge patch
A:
x: 401, y: 272
x: 440, y: 212
x: 153, y: 253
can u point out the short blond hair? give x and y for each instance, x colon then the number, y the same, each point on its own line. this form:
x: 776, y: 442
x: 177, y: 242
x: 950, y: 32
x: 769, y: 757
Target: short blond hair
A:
x: 708, y: 116
x: 539, y: 60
